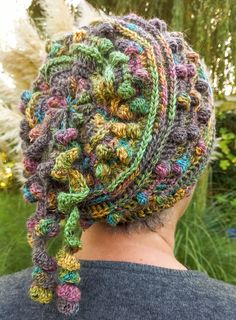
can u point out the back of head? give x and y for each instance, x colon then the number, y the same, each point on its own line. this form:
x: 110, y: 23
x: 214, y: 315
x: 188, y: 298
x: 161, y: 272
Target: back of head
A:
x: 118, y: 126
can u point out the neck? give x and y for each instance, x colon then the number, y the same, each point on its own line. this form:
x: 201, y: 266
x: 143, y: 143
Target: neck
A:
x: 101, y: 242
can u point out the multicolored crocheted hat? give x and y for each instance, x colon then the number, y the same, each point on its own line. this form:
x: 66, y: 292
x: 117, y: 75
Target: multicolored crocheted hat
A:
x: 118, y: 126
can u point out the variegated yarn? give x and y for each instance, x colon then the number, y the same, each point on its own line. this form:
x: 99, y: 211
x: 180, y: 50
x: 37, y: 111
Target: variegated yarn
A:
x: 117, y: 127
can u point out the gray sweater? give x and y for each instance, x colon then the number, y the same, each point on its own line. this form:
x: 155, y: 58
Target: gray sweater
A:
x: 127, y: 291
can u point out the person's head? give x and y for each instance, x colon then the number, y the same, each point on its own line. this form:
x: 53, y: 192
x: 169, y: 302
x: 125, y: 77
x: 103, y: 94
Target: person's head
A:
x: 117, y: 129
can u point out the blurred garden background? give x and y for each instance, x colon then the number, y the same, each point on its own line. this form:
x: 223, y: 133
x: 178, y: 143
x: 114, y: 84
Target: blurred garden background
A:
x: 206, y: 235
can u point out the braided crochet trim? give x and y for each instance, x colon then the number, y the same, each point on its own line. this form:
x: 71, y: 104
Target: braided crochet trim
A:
x: 118, y: 126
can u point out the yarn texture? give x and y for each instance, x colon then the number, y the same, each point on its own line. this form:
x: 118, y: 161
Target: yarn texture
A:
x: 118, y: 126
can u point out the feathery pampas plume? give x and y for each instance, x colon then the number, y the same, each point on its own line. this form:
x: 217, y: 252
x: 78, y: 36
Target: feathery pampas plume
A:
x: 88, y: 13
x: 22, y: 61
x: 58, y: 16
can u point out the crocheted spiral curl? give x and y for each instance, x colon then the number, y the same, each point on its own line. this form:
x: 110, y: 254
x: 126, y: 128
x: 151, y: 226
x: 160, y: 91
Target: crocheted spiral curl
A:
x: 118, y: 126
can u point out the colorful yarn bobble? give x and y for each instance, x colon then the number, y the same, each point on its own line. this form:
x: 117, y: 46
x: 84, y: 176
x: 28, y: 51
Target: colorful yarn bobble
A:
x: 30, y: 165
x: 201, y: 148
x: 65, y: 136
x: 114, y: 218
x: 181, y: 165
x: 184, y: 162
x: 68, y: 292
x: 162, y: 170
x: 184, y: 101
x: 28, y: 196
x: 40, y: 294
x: 66, y: 307
x: 43, y: 279
x: 36, y: 190
x: 47, y: 227
x: 67, y: 261
x: 142, y: 198
x: 66, y: 276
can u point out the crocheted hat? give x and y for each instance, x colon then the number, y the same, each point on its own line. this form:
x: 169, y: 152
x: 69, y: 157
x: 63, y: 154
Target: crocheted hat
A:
x: 118, y: 126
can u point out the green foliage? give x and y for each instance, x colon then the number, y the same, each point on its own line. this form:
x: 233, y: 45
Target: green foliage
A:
x: 15, y: 254
x: 226, y: 131
x: 227, y: 147
x: 202, y: 242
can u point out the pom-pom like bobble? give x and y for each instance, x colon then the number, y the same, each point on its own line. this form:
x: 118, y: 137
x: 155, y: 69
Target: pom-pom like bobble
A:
x: 35, y: 133
x: 176, y: 170
x: 66, y: 276
x: 179, y: 135
x: 68, y: 292
x: 47, y: 227
x: 114, y: 218
x: 139, y: 105
x: 142, y: 198
x: 36, y: 190
x: 30, y: 165
x: 102, y: 170
x: 67, y: 261
x: 122, y: 154
x: 201, y: 148
x: 125, y: 90
x: 162, y: 170
x: 41, y: 295
x: 191, y: 70
x: 117, y: 57
x: 193, y: 132
x: 103, y: 152
x: 195, y: 98
x: 183, y: 163
x: 28, y: 196
x: 201, y: 86
x: 183, y: 101
x: 204, y: 115
x: 41, y: 259
x: 105, y: 45
x: 26, y: 96
x: 43, y: 279
x: 65, y: 136
x: 181, y: 71
x: 56, y: 102
x: 66, y: 307
x: 77, y: 119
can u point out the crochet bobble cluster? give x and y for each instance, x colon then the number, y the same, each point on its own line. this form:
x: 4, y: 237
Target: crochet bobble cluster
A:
x: 118, y: 126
